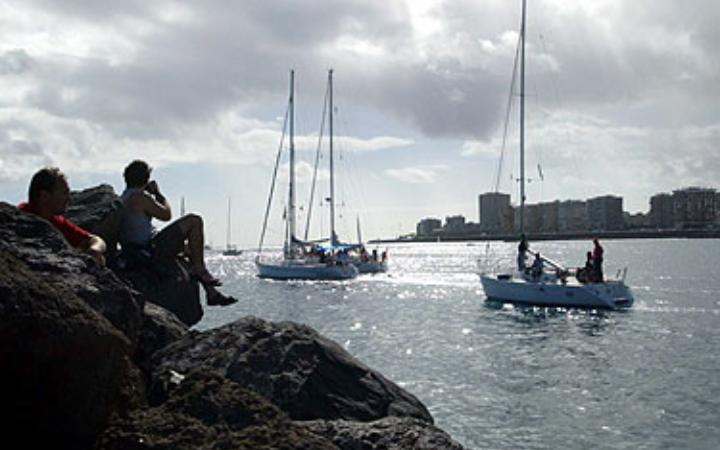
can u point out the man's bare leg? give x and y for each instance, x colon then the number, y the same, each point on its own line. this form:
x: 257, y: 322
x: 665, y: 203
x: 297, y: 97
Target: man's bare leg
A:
x: 192, y: 227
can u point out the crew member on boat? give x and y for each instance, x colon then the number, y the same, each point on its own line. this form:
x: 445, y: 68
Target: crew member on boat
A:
x: 585, y: 274
x: 597, y: 260
x: 537, y: 267
x: 522, y: 253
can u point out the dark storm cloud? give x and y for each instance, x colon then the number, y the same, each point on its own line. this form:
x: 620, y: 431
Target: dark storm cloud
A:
x: 15, y: 62
x: 646, y: 55
x: 239, y: 54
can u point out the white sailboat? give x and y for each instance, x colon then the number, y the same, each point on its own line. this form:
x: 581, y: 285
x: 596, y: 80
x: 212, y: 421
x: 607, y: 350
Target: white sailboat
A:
x: 555, y: 285
x: 230, y: 249
x: 297, y: 261
x: 356, y: 253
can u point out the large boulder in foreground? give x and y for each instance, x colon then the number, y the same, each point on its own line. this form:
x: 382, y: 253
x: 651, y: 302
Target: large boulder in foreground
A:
x: 65, y: 370
x: 390, y: 433
x: 168, y: 284
x: 45, y: 252
x: 160, y: 328
x: 305, y: 374
x: 207, y: 411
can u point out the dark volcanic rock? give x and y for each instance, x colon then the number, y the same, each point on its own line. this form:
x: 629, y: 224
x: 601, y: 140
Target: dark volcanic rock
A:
x: 305, y: 374
x: 160, y: 328
x: 71, y: 333
x: 169, y: 285
x: 90, y: 207
x: 65, y: 368
x: 43, y: 249
x: 98, y: 210
x: 207, y: 411
x: 391, y: 433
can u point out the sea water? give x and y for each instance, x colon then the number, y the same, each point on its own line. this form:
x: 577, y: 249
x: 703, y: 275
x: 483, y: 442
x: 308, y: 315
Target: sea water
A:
x: 502, y: 377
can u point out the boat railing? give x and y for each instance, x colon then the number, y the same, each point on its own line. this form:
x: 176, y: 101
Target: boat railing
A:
x: 550, y: 262
x: 621, y: 273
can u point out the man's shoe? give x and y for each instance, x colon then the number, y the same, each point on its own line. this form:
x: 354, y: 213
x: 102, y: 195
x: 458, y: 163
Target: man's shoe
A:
x: 219, y: 299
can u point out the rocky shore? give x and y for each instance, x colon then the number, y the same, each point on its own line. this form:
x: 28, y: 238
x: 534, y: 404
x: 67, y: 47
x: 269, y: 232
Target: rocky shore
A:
x: 91, y: 359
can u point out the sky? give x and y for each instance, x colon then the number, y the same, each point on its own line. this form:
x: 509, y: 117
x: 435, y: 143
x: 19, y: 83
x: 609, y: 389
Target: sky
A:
x: 623, y: 98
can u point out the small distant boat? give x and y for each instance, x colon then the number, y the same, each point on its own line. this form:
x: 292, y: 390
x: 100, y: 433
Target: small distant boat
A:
x: 230, y: 249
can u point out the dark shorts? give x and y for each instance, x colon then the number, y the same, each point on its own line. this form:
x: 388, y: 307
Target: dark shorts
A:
x: 169, y: 242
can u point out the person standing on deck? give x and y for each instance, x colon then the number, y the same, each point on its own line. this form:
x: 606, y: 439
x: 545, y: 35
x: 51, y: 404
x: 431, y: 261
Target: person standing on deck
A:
x: 522, y: 253
x: 597, y: 260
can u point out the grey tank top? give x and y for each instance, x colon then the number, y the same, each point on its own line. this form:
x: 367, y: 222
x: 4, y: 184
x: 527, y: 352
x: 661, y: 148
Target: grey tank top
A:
x: 137, y: 228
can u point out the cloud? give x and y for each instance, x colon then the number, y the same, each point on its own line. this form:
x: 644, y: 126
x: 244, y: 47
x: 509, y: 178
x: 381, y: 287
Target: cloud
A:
x: 583, y: 155
x: 417, y: 174
x: 90, y: 84
x: 354, y: 144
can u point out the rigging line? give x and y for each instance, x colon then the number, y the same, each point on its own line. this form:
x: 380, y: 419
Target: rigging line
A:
x: 508, y: 112
x: 357, y: 179
x: 317, y: 162
x: 351, y: 188
x: 560, y: 106
x: 272, y: 184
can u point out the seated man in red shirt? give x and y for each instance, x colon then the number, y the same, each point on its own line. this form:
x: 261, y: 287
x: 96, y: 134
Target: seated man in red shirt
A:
x: 48, y: 197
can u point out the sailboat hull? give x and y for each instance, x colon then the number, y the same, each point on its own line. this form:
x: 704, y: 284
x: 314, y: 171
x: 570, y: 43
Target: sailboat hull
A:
x: 608, y: 295
x: 301, y: 270
x: 371, y: 266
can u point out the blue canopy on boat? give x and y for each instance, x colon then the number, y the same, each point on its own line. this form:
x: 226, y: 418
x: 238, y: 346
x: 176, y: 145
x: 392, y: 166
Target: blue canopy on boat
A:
x: 334, y: 248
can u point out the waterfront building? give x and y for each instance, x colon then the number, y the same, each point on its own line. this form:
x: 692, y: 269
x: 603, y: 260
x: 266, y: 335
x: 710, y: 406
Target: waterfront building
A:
x: 605, y: 213
x: 635, y: 221
x: 454, y: 224
x: 495, y: 212
x: 662, y: 211
x: 572, y: 216
x: 533, y: 218
x: 549, y: 214
x: 428, y: 227
x: 694, y: 207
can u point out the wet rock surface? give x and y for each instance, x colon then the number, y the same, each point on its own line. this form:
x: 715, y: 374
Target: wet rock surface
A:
x: 67, y: 333
x: 88, y: 363
x: 305, y: 374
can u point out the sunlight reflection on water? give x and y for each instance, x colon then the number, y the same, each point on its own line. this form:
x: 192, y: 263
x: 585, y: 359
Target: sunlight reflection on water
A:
x: 498, y: 376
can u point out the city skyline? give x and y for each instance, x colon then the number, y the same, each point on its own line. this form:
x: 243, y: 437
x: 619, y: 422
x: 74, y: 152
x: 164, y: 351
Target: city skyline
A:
x: 623, y: 100
x: 688, y: 208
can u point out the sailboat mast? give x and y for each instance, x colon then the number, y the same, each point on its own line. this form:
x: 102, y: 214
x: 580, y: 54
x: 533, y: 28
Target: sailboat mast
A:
x: 227, y: 242
x: 291, y: 193
x: 522, y: 120
x: 333, y: 236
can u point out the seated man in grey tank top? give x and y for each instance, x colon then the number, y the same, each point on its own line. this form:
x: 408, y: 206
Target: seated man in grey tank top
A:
x: 143, y: 202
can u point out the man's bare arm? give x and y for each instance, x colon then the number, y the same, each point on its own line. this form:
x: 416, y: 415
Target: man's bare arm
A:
x: 155, y: 204
x: 95, y: 247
